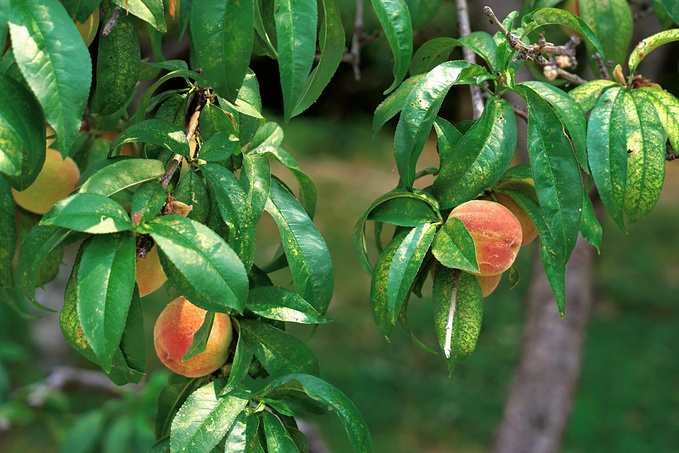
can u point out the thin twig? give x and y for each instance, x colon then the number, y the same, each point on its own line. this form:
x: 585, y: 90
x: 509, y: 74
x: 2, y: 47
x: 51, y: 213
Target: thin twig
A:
x: 469, y: 55
x: 356, y: 41
x: 112, y: 21
x: 601, y: 64
x: 520, y: 112
x: 451, y: 315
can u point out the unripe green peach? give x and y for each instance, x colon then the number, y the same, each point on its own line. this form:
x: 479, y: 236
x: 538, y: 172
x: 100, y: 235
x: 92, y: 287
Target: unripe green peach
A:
x: 489, y: 283
x: 150, y: 274
x: 173, y: 335
x: 527, y: 225
x: 57, y: 179
x: 496, y: 233
x: 88, y: 29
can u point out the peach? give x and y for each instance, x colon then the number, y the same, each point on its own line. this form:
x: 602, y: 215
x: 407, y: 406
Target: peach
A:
x: 527, y: 225
x: 489, y: 283
x: 57, y: 179
x: 150, y: 274
x: 496, y: 233
x: 173, y: 335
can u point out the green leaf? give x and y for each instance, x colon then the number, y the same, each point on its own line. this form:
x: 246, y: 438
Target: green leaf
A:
x: 646, y: 156
x: 482, y: 44
x: 89, y: 213
x: 119, y: 437
x: 358, y: 235
x: 454, y: 247
x: 235, y: 210
x: 671, y: 8
x: 22, y: 134
x: 648, y: 45
x: 54, y: 61
x: 236, y: 439
x: 205, y: 418
x: 394, y: 103
x: 331, y: 43
x: 281, y: 304
x: 213, y: 120
x: 105, y: 285
x: 201, y: 337
x: 144, y: 100
x: 296, y: 34
x: 8, y: 233
x: 447, y: 135
x: 80, y: 10
x: 252, y: 432
x: 588, y: 94
x: 4, y: 17
x: 418, y: 116
x: 590, y: 228
x: 150, y: 11
x: 85, y: 434
x: 468, y: 312
x: 394, y: 17
x: 118, y: 60
x: 255, y: 176
x: 612, y: 23
x: 147, y: 201
x: 225, y: 32
x: 379, y: 301
x: 555, y: 270
x: 305, y: 249
x: 480, y: 158
x: 171, y: 398
x: 133, y: 342
x: 219, y: 147
x: 405, y: 211
x: 558, y: 182
x: 120, y: 175
x: 279, y: 352
x: 191, y: 191
x: 431, y: 54
x: 200, y: 264
x: 607, y: 140
x: 269, y: 134
x: 667, y: 108
x: 570, y: 114
x: 277, y: 437
x: 324, y: 393
x: 157, y: 132
x: 242, y: 358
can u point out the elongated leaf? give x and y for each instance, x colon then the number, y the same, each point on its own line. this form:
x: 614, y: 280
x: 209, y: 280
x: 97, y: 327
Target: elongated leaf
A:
x: 236, y: 439
x: 205, y: 418
x: 38, y: 244
x: 85, y: 434
x: 225, y: 32
x: 482, y: 44
x: 431, y: 54
x: 394, y: 103
x: 296, y: 34
x: 667, y: 108
x: 279, y: 352
x: 305, y: 249
x: 89, y: 213
x: 404, y: 211
x: 142, y: 106
x: 418, y: 115
x: 150, y: 11
x: 479, y: 159
x: 80, y: 10
x: 358, y: 235
x: 200, y: 264
x: 648, y: 45
x: 570, y: 114
x: 588, y: 94
x: 468, y: 312
x: 331, y: 43
x: 274, y: 302
x: 380, y: 283
x: 171, y: 398
x: 235, y: 210
x: 133, y: 341
x: 556, y: 173
x: 546, y: 16
x: 242, y: 358
x: 607, y: 141
x: 277, y: 437
x: 646, y: 156
x: 394, y: 17
x: 219, y: 147
x: 255, y: 177
x: 252, y: 433
x: 105, y: 286
x: 54, y: 61
x: 191, y: 190
x: 118, y: 59
x: 324, y: 393
x: 157, y: 132
x: 447, y: 135
x: 120, y: 175
x: 4, y: 17
x: 454, y: 247
x: 22, y: 134
x: 201, y: 337
x: 147, y: 201
x: 590, y: 228
x: 671, y: 8
x: 8, y: 233
x: 612, y: 23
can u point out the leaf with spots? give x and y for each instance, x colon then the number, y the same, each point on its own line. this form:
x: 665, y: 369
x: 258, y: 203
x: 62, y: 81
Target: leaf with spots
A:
x: 667, y: 107
x: 393, y: 103
x: 150, y: 11
x: 588, y: 94
x: 648, y: 45
x: 454, y: 247
x: 118, y: 174
x: 394, y: 16
x: 88, y: 213
x: 612, y: 23
x: 277, y: 437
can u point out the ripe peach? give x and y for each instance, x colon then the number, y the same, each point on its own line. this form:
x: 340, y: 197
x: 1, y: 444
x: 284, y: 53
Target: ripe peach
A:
x: 88, y: 29
x: 57, y: 179
x: 496, y: 233
x: 527, y: 225
x: 489, y: 283
x: 173, y: 335
x: 150, y: 275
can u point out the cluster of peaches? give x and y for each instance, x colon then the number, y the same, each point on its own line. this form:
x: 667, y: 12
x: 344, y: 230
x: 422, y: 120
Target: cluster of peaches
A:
x: 176, y: 325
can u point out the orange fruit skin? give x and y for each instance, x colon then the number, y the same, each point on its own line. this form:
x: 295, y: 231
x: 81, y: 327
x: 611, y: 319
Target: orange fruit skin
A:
x: 496, y: 233
x: 57, y: 179
x: 88, y: 29
x: 149, y: 273
x: 173, y: 335
x: 527, y: 225
x: 489, y: 283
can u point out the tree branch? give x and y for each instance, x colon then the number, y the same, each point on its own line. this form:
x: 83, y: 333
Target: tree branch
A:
x: 469, y: 55
x: 356, y: 41
x: 112, y: 21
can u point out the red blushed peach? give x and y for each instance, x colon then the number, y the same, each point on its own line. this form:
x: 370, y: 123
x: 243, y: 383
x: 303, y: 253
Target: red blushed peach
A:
x: 173, y: 335
x: 496, y: 233
x: 527, y: 225
x: 149, y: 274
x: 488, y: 284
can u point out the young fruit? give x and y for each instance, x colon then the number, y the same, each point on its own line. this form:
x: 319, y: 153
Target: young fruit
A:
x: 489, y: 283
x: 173, y: 335
x: 57, y: 179
x: 150, y: 275
x: 496, y: 233
x: 527, y: 225
x: 88, y: 29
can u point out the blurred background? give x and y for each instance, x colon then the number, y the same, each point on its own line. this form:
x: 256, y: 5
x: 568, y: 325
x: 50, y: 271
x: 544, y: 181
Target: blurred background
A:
x: 628, y: 398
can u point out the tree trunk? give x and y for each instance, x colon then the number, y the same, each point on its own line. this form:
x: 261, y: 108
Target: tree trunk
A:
x: 545, y: 382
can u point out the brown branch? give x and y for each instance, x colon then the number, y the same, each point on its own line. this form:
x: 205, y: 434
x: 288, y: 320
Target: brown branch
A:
x: 601, y: 64
x: 356, y: 41
x: 520, y: 112
x: 112, y: 21
x: 469, y: 55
